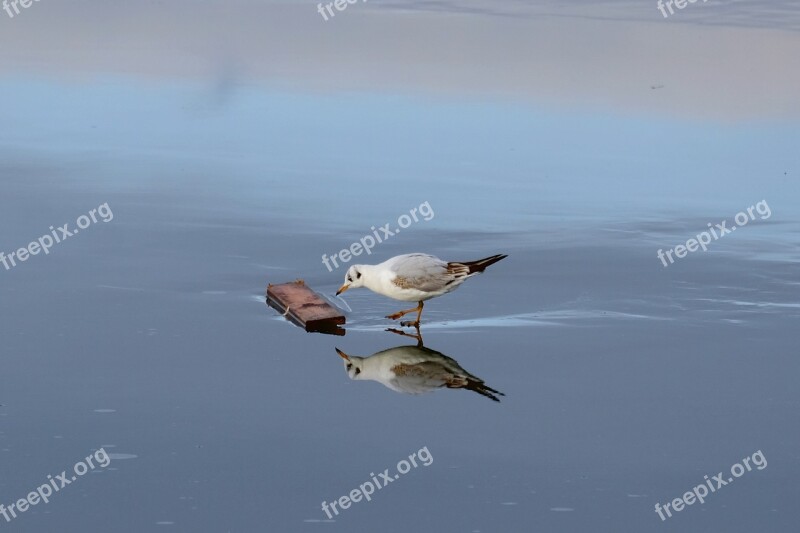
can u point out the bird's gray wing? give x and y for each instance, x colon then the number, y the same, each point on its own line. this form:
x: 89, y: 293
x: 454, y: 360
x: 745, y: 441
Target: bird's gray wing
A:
x: 422, y: 272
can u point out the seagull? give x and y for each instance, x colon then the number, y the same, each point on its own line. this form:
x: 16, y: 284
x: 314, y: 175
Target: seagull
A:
x: 414, y: 278
x: 414, y: 370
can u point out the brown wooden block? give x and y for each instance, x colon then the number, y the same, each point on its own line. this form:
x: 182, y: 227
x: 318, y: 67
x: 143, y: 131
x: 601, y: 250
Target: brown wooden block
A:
x: 305, y: 307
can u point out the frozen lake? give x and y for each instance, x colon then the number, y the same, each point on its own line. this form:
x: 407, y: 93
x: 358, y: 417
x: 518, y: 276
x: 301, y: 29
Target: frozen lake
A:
x: 146, y: 336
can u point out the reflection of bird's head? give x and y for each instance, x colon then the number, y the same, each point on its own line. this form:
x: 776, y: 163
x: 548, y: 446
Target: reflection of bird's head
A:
x: 352, y: 280
x: 352, y: 364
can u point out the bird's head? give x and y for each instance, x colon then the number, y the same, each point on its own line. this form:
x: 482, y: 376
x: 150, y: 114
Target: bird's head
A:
x: 352, y: 364
x: 352, y: 280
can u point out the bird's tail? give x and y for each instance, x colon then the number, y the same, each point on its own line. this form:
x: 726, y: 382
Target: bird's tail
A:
x: 476, y: 267
x: 475, y: 385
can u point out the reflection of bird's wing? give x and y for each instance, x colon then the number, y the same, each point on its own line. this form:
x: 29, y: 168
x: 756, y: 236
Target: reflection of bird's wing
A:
x: 416, y: 370
x: 460, y: 378
x: 418, y: 378
x: 422, y: 272
x: 424, y: 377
x: 380, y: 367
x: 407, y: 354
x: 474, y: 384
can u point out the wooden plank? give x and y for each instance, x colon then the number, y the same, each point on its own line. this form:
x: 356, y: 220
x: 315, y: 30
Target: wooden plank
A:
x: 305, y: 307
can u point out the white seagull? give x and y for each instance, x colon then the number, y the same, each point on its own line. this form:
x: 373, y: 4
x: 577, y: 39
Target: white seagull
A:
x: 414, y: 278
x: 415, y: 370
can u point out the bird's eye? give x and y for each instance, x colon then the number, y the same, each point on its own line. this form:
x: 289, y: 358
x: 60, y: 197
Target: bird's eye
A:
x: 349, y: 366
x: 358, y: 371
x: 349, y: 279
x: 358, y: 275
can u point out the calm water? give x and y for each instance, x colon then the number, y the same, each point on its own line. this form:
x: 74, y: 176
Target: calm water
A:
x: 624, y: 382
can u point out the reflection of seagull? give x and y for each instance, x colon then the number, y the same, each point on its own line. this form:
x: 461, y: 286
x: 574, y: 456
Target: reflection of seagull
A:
x: 414, y: 370
x: 414, y: 278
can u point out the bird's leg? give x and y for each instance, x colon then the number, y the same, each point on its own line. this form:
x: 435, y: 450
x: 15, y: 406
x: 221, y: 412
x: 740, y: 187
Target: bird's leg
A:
x: 418, y: 336
x: 416, y: 322
x: 401, y: 314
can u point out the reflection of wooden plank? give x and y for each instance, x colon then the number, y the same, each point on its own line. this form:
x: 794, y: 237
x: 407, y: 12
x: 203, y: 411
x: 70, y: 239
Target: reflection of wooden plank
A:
x: 305, y: 307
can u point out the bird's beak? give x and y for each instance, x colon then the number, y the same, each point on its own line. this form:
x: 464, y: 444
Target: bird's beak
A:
x: 342, y: 289
x: 342, y: 354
